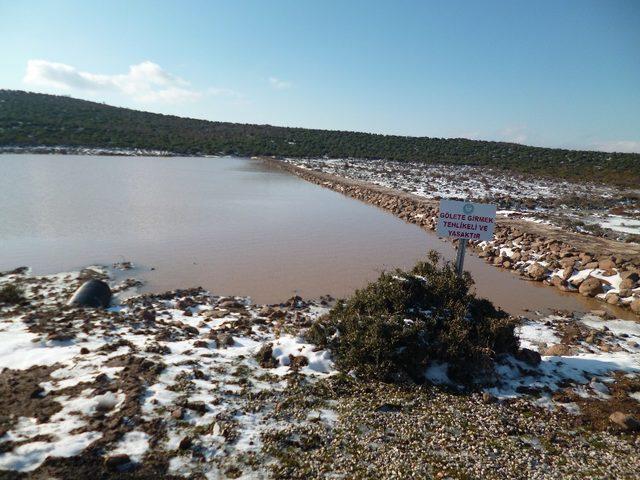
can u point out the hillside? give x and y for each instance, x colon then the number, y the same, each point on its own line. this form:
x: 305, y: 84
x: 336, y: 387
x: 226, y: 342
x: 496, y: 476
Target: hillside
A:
x: 29, y: 119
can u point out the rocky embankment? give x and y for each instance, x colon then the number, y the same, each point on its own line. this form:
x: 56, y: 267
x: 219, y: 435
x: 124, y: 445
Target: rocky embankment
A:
x: 571, y: 262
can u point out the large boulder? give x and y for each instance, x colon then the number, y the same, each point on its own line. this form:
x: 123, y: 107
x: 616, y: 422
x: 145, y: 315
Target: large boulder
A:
x: 591, y: 287
x: 93, y: 293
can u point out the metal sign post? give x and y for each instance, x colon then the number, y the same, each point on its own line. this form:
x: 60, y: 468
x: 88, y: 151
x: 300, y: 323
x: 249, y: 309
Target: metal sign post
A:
x: 462, y: 247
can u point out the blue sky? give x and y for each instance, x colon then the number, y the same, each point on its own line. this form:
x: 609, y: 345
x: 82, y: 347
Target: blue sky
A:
x: 550, y: 73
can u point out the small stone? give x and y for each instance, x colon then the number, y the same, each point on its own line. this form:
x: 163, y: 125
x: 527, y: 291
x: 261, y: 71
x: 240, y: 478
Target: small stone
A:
x: 537, y: 271
x: 177, y: 414
x: 37, y: 392
x: 558, y: 350
x: 528, y: 356
x: 224, y: 340
x: 388, y: 408
x: 296, y: 362
x: 84, y: 351
x: 625, y: 421
x: 116, y: 462
x: 591, y: 287
x: 191, y: 330
x: 230, y: 304
x: 185, y: 443
x: 613, y: 299
x: 197, y: 406
x: 265, y: 356
x: 488, y: 398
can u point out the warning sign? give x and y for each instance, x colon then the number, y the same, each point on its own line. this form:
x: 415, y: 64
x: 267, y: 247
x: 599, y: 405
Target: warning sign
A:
x: 466, y: 220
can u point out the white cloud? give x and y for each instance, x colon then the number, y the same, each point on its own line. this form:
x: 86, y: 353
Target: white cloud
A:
x: 622, y: 146
x: 279, y: 84
x: 145, y: 82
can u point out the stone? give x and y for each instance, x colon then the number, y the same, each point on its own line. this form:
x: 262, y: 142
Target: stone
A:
x: 568, y: 262
x: 178, y: 413
x: 628, y: 284
x: 488, y: 398
x: 591, y: 287
x: 633, y: 275
x: 558, y: 350
x: 149, y: 315
x: 528, y: 356
x: 185, y: 443
x: 612, y: 299
x: 558, y: 282
x: 224, y: 340
x: 389, y: 408
x: 116, y: 462
x: 635, y: 306
x: 590, y: 266
x: 296, y: 362
x: 625, y: 421
x: 191, y: 330
x: 567, y: 273
x: 607, y: 264
x: 197, y: 406
x: 214, y: 314
x: 229, y: 304
x: 537, y: 271
x: 265, y: 356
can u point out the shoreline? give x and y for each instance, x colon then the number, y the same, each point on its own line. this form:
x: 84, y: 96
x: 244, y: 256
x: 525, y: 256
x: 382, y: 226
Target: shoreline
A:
x: 536, y: 252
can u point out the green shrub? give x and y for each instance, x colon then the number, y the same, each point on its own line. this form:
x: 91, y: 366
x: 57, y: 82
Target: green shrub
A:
x: 11, y: 294
x: 398, y: 325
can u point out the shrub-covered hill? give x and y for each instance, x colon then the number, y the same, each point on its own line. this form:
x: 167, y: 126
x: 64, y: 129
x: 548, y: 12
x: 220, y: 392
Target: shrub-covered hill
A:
x: 29, y: 119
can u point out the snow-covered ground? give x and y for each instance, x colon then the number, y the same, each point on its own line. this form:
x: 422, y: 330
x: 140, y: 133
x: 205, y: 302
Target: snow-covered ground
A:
x: 583, y: 207
x: 206, y: 383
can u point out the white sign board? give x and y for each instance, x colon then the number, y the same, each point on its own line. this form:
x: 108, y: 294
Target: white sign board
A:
x: 465, y: 220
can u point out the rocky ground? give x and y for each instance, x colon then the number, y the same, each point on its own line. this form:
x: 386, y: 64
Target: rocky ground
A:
x: 589, y: 208
x: 606, y: 269
x: 187, y: 384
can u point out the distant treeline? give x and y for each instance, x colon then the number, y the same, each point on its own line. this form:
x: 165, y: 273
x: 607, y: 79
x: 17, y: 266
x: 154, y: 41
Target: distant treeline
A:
x: 30, y: 119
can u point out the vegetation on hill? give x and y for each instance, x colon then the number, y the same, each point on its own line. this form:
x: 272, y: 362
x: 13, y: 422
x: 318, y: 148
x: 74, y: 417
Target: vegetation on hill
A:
x: 30, y: 119
x: 398, y: 326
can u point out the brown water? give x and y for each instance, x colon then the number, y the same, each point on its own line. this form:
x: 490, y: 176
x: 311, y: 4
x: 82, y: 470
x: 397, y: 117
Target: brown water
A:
x: 231, y: 225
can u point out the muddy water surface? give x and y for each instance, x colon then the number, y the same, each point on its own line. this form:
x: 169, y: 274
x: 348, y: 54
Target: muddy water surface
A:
x: 231, y: 225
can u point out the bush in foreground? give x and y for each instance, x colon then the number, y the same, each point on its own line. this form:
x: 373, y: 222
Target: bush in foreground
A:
x: 401, y: 323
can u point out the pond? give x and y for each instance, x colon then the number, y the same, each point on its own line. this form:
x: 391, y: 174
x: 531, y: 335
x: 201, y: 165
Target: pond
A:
x: 232, y: 225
